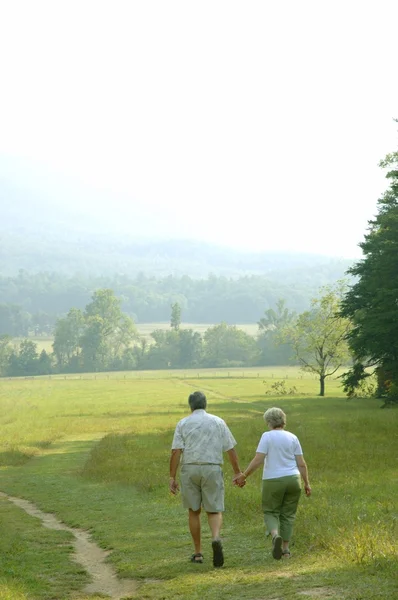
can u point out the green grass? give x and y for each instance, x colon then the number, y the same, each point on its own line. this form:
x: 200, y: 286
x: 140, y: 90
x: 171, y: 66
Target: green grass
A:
x: 95, y: 452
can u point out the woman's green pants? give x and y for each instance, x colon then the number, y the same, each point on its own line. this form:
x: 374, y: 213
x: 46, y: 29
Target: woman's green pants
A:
x: 280, y: 499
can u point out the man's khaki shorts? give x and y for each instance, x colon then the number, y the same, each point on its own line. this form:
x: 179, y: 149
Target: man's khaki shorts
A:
x: 202, y: 485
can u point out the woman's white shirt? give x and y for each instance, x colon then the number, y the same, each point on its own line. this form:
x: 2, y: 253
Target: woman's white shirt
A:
x: 281, y: 448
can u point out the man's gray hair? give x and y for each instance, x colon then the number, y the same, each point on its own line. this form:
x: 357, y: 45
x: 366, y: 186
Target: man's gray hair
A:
x: 197, y: 400
x: 275, y: 417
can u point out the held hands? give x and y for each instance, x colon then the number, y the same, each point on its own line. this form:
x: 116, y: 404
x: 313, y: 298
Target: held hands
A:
x: 239, y: 480
x: 173, y: 486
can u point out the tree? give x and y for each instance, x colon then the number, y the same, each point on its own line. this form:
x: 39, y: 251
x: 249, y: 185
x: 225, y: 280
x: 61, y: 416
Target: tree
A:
x: 95, y: 350
x: 276, y: 319
x: 96, y: 339
x: 228, y: 346
x: 175, y: 349
x: 175, y: 320
x: 318, y: 336
x: 108, y: 332
x: 371, y: 302
x: 105, y: 305
x: 14, y: 321
x: 5, y: 353
x: 273, y: 350
x: 25, y: 360
x: 165, y: 352
x: 190, y: 348
x: 44, y: 365
x: 68, y: 332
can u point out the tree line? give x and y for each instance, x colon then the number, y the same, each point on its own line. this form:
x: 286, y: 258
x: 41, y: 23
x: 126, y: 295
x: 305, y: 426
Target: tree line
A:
x: 103, y: 338
x: 31, y: 303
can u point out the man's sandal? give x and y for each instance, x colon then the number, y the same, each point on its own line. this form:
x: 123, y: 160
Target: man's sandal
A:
x: 218, y: 555
x: 197, y: 558
x: 286, y: 554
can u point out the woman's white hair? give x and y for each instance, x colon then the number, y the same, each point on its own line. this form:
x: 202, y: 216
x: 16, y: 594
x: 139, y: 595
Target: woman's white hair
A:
x: 275, y: 417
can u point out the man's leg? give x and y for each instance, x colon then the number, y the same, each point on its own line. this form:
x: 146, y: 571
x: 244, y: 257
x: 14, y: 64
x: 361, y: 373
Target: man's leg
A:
x: 191, y: 499
x: 213, y: 503
x: 215, y: 522
x: 194, y: 528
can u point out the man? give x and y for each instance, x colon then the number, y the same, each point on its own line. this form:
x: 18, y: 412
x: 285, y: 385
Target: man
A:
x: 199, y: 442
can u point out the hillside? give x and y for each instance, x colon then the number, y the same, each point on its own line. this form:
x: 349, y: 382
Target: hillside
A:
x: 50, y: 223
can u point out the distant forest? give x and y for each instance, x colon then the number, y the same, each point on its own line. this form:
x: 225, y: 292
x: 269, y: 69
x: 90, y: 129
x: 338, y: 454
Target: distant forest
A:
x: 30, y: 304
x: 52, y: 259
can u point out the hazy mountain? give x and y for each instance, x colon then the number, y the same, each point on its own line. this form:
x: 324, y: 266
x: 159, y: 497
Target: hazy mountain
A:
x: 52, y: 224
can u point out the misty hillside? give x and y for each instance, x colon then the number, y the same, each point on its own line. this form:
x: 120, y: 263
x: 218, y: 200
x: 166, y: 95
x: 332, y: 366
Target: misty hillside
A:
x: 57, y: 246
x: 39, y: 235
x: 94, y: 255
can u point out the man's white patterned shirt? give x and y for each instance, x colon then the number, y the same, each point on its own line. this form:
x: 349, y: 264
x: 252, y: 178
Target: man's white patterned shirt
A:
x: 203, y: 438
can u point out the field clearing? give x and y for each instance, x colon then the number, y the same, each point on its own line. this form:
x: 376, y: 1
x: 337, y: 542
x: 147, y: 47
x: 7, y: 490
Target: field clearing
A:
x: 291, y: 375
x: 95, y: 453
x: 145, y: 330
x: 43, y: 343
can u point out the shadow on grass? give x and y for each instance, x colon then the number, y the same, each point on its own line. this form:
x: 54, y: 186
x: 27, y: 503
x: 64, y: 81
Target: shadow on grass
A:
x: 14, y: 458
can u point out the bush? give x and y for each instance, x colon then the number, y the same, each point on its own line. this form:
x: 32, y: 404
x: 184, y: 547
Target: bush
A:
x: 279, y: 389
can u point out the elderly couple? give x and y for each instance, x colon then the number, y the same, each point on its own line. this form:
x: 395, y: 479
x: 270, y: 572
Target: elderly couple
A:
x: 199, y: 442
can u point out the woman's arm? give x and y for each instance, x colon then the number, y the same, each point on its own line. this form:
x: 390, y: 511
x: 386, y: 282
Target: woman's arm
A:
x: 257, y: 461
x: 302, y: 467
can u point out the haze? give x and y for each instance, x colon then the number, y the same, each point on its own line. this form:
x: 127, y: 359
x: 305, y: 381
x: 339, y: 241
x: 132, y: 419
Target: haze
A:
x: 255, y: 125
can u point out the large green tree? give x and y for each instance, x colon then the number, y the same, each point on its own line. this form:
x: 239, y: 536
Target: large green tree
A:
x: 97, y: 339
x: 372, y: 302
x: 24, y: 360
x: 175, y: 349
x: 228, y: 346
x: 108, y: 332
x: 318, y: 337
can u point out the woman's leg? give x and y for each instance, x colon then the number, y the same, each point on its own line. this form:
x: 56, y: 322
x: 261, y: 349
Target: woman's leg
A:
x: 288, y: 509
x: 272, y: 498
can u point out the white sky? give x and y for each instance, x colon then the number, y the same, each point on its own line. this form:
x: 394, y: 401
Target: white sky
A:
x: 257, y: 124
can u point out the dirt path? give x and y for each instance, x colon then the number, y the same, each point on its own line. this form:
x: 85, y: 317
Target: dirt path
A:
x: 87, y: 553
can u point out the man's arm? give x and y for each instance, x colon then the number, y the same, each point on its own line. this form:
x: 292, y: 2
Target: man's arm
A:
x: 174, y: 462
x: 233, y: 459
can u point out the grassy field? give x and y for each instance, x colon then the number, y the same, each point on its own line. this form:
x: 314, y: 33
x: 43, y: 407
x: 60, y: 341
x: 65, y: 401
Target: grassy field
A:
x: 145, y: 330
x: 43, y: 343
x: 95, y: 452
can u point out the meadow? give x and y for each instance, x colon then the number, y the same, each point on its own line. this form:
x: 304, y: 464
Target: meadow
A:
x: 144, y: 330
x: 95, y: 451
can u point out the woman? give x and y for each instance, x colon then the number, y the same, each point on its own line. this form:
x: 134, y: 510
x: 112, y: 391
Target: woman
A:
x: 281, y: 479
